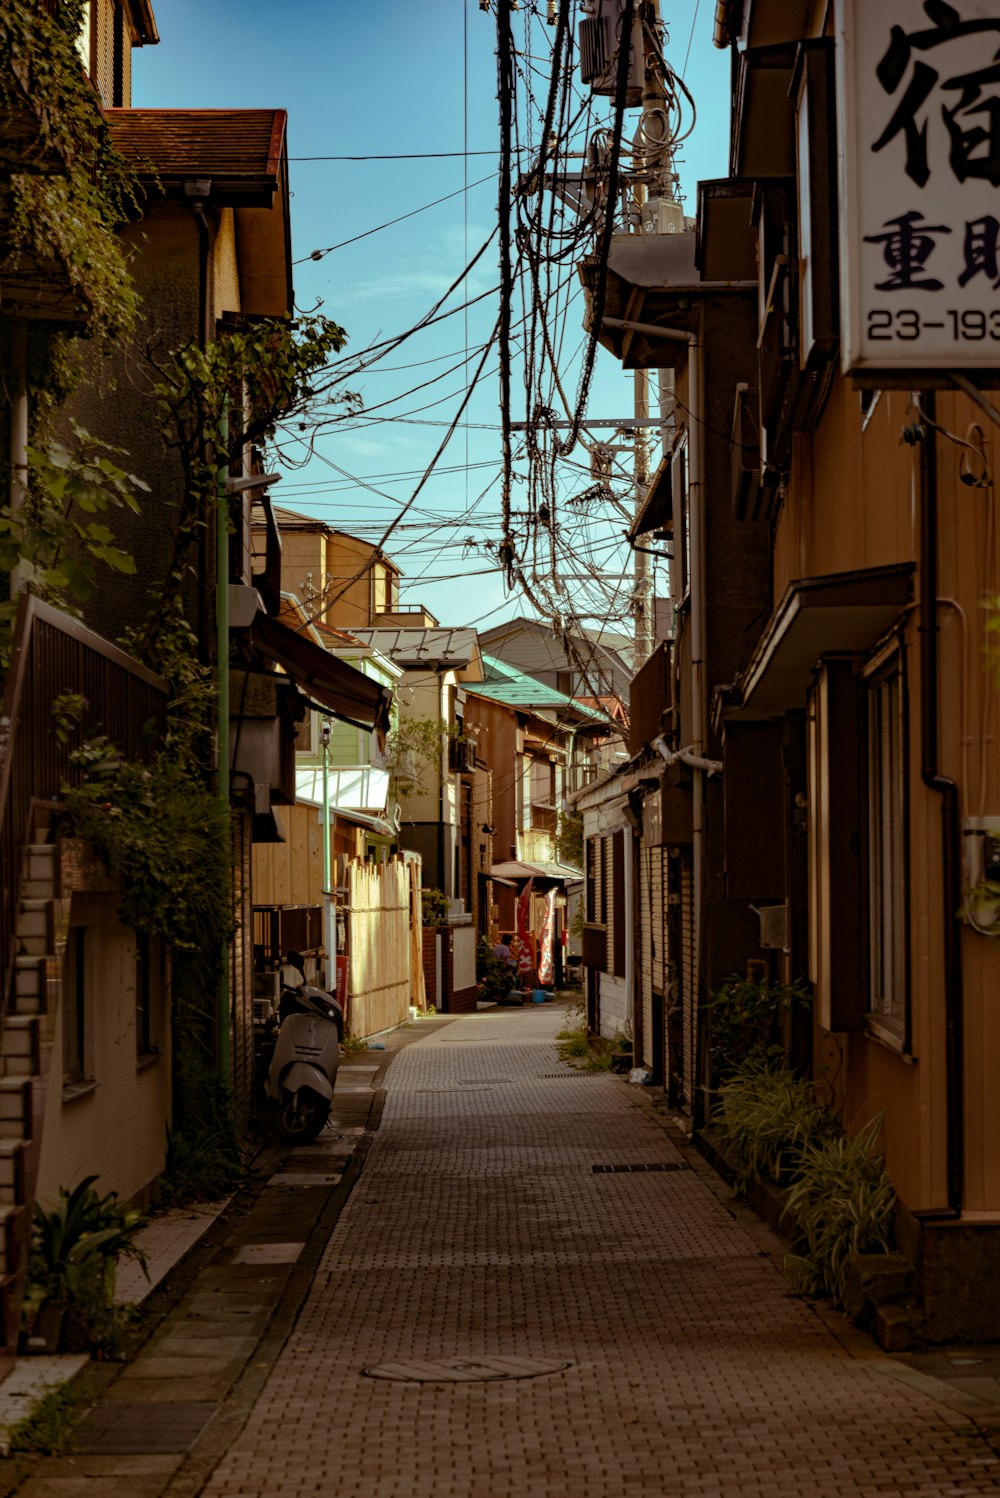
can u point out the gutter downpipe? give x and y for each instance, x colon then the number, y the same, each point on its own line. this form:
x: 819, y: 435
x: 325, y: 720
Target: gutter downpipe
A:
x: 721, y: 35
x: 696, y: 515
x: 196, y: 195
x: 947, y: 789
x: 222, y: 722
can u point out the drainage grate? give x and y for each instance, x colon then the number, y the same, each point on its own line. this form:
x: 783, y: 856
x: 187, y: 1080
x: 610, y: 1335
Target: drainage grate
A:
x: 657, y: 1165
x: 564, y: 1076
x: 142, y: 1429
x: 465, y: 1370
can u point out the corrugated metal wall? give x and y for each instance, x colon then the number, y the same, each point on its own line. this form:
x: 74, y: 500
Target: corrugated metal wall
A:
x: 103, y: 47
x: 688, y: 981
x: 653, y: 908
x: 645, y: 946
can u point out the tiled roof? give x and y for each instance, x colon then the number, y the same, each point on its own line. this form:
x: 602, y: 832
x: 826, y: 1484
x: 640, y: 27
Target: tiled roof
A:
x: 504, y: 683
x: 239, y: 150
x: 437, y: 648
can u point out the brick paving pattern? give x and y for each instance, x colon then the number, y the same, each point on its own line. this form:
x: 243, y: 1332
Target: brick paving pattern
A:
x: 480, y: 1230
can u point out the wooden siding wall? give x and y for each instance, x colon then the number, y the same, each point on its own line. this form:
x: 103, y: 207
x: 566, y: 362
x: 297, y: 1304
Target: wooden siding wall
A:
x: 852, y: 503
x: 379, y: 945
x: 291, y: 873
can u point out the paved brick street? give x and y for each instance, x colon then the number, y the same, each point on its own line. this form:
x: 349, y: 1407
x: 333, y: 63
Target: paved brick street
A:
x: 479, y: 1230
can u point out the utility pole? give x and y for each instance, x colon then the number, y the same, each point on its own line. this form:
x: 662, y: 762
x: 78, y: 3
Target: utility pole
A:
x: 643, y: 602
x: 659, y: 212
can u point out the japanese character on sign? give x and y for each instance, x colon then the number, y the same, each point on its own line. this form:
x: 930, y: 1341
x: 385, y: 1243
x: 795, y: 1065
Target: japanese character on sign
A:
x: 908, y: 246
x: 972, y: 121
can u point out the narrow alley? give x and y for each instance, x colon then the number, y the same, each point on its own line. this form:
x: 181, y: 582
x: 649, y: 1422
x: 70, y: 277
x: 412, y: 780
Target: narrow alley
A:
x: 504, y: 1309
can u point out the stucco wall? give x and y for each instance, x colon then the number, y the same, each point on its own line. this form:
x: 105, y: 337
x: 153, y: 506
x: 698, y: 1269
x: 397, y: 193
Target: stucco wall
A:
x: 117, y: 1128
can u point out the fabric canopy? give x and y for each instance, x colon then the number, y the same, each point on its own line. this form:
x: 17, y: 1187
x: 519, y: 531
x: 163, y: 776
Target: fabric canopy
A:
x: 331, y: 684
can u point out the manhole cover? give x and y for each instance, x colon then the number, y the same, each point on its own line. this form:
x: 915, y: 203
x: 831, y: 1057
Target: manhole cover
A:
x: 465, y: 1370
x: 143, y: 1428
x: 965, y: 1362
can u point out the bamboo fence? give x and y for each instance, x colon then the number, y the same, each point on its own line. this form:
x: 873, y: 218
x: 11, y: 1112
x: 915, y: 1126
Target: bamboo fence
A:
x: 379, y: 945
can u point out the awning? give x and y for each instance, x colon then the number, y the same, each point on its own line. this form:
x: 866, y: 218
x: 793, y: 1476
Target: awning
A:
x: 657, y: 506
x: 844, y: 613
x: 514, y: 869
x: 330, y: 684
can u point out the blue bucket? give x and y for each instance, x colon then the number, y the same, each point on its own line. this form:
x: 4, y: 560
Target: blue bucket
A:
x: 538, y: 995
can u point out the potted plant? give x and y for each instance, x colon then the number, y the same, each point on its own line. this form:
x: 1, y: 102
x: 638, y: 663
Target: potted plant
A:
x: 69, y: 1300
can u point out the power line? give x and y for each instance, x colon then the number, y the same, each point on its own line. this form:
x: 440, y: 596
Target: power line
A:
x: 404, y: 156
x: 390, y: 223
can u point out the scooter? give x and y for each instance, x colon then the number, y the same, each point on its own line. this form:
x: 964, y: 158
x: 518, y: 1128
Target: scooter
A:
x: 303, y: 1066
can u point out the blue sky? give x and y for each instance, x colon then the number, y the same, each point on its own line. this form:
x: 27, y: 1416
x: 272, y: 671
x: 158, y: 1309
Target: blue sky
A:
x: 384, y: 80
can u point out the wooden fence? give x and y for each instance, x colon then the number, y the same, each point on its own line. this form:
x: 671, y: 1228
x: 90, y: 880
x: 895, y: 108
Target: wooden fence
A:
x: 379, y: 945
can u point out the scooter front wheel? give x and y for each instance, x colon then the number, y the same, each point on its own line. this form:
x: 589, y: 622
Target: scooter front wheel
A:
x: 302, y: 1116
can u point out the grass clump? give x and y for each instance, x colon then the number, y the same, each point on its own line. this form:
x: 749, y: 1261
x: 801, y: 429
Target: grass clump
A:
x: 578, y: 1048
x: 842, y: 1205
x: 840, y: 1200
x: 47, y: 1428
x: 768, y: 1116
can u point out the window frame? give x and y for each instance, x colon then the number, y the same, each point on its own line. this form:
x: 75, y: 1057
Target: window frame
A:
x: 77, y: 1069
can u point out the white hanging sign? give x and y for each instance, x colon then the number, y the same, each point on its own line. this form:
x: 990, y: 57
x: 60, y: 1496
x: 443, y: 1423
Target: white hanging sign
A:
x: 918, y: 105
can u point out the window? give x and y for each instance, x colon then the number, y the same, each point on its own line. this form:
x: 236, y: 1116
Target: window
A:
x: 75, y: 1006
x: 887, y: 889
x: 148, y: 986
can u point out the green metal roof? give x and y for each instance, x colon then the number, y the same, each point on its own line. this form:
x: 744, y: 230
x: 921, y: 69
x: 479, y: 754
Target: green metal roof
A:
x: 504, y: 683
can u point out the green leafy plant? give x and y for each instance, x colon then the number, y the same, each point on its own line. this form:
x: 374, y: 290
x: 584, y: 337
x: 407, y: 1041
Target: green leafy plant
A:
x: 569, y: 839
x: 68, y: 218
x: 841, y: 1205
x: 434, y: 907
x: 496, y: 977
x: 204, y: 1161
x: 75, y: 1247
x: 214, y: 403
x: 59, y: 539
x: 414, y: 754
x: 166, y: 835
x: 767, y: 1116
x: 744, y: 1020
